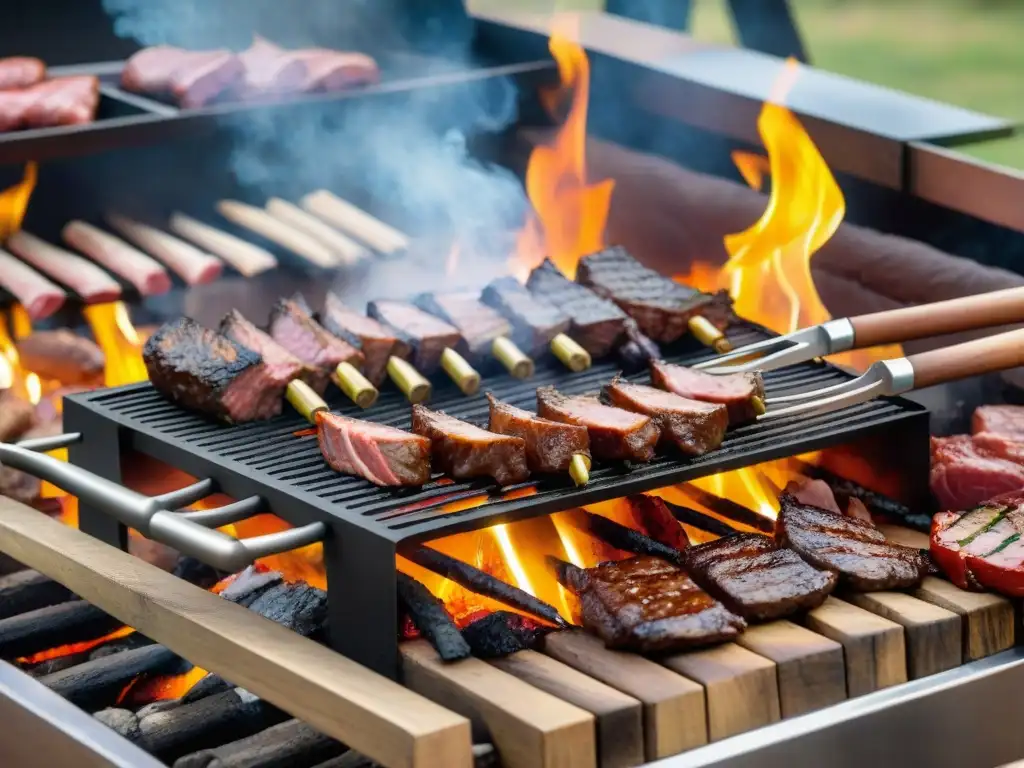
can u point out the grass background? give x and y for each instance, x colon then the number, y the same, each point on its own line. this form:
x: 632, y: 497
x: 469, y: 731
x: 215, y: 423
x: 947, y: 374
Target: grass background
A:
x: 964, y: 52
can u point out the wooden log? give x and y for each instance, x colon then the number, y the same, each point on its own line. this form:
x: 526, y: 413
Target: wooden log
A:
x: 280, y: 746
x: 333, y: 694
x: 742, y: 687
x: 674, y: 712
x: 874, y: 650
x: 55, y: 625
x: 484, y: 756
x: 620, y: 731
x: 29, y: 590
x: 529, y: 727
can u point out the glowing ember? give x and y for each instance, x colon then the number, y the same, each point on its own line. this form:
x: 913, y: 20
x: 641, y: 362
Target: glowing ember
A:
x: 14, y: 202
x: 112, y: 327
x: 73, y: 648
x: 162, y: 688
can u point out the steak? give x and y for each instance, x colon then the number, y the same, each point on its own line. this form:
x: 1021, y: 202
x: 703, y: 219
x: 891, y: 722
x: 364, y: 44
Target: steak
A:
x: 478, y: 324
x: 646, y: 605
x: 192, y: 78
x: 615, y: 434
x: 376, y: 342
x: 206, y: 372
x: 550, y: 445
x: 292, y: 326
x: 962, y: 475
x: 535, y: 322
x: 596, y: 324
x: 270, y: 71
x: 242, y: 332
x: 660, y: 306
x: 736, y: 391
x: 855, y: 550
x: 1003, y: 420
x: 424, y: 334
x: 651, y: 514
x: 464, y: 451
x: 690, y: 425
x: 378, y: 453
x: 757, y: 578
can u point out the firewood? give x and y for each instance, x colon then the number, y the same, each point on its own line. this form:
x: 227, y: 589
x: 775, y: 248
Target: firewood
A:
x: 280, y: 746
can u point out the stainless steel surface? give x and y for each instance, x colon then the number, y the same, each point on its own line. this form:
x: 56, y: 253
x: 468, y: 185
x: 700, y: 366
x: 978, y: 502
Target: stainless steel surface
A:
x: 965, y: 718
x: 44, y: 444
x: 798, y: 347
x: 229, y: 513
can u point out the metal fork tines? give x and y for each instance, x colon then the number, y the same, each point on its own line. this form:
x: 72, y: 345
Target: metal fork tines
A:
x: 797, y: 347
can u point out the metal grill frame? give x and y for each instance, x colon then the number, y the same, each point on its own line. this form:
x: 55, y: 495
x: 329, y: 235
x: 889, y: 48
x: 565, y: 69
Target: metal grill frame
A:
x: 367, y: 530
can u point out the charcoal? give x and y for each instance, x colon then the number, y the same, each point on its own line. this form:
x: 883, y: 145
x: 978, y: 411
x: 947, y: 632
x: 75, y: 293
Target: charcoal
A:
x: 287, y: 744
x: 208, y: 686
x: 197, y: 572
x: 630, y: 540
x: 58, y: 664
x: 249, y: 584
x: 75, y: 621
x: 432, y: 619
x: 299, y: 607
x: 699, y: 520
x: 121, y: 721
x: 122, y: 644
x: 157, y: 707
x: 730, y: 509
x: 28, y: 591
x: 501, y: 633
x: 484, y: 756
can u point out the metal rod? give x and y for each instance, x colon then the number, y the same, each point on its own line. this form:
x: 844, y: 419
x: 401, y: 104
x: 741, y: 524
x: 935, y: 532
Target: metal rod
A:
x: 190, y: 494
x: 229, y: 513
x: 52, y: 443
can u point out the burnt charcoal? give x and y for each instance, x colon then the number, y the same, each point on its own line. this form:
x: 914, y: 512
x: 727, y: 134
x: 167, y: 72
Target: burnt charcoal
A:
x: 208, y: 686
x: 386, y: 456
x: 877, y: 503
x: 424, y: 334
x: 122, y: 644
x: 637, y: 351
x: 59, y: 664
x: 699, y: 520
x: 630, y: 540
x: 122, y: 721
x: 729, y: 509
x: 432, y: 619
x: 56, y: 625
x: 550, y: 445
x: 464, y: 451
x: 652, y: 515
x: 285, y: 745
x: 157, y: 707
x: 197, y: 572
x: 502, y: 633
x: 376, y: 342
x: 29, y: 590
x: 478, y: 324
x: 535, y: 322
x: 298, y: 606
x: 615, y: 434
x: 250, y: 584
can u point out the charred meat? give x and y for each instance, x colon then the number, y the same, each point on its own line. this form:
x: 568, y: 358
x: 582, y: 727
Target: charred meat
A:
x: 615, y: 434
x: 535, y: 322
x: 293, y: 327
x: 637, y: 351
x: 550, y: 445
x: 690, y: 425
x: 597, y: 324
x: 647, y: 605
x: 661, y: 307
x: 853, y: 549
x: 741, y: 393
x: 426, y: 335
x: 652, y: 515
x: 478, y: 324
x: 378, y: 453
x: 206, y: 372
x: 464, y: 451
x: 757, y: 578
x: 241, y: 331
x: 376, y: 342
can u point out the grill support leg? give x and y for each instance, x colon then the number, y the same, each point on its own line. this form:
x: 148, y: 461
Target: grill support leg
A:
x: 99, y: 451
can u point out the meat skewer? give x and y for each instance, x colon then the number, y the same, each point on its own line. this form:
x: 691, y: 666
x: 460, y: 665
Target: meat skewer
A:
x: 40, y: 297
x: 112, y: 253
x: 551, y: 446
x: 188, y: 262
x: 355, y: 222
x: 246, y: 258
x: 615, y: 434
x: 86, y: 279
x: 348, y: 251
x: 242, y: 332
x: 741, y: 393
x: 263, y: 224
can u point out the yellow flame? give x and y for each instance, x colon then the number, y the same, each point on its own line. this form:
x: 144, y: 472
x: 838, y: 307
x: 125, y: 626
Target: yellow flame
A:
x: 515, y: 566
x: 33, y: 388
x: 113, y: 330
x: 21, y: 323
x: 14, y: 202
x: 10, y: 363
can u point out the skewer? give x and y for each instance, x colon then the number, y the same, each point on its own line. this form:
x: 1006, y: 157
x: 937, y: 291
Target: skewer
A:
x: 355, y: 222
x: 460, y: 371
x: 707, y: 333
x: 262, y: 223
x: 579, y: 469
x: 571, y: 354
x: 412, y: 384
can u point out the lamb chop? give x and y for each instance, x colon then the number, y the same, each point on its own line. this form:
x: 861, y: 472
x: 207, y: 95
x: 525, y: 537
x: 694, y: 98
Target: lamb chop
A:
x: 464, y: 451
x: 377, y: 343
x: 741, y: 393
x: 235, y: 327
x: 690, y: 425
x: 615, y: 434
x: 647, y: 605
x: 551, y: 446
x: 383, y: 455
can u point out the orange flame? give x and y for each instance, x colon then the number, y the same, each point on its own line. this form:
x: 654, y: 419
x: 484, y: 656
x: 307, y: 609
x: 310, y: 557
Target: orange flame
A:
x: 121, y: 344
x: 14, y: 202
x: 73, y: 648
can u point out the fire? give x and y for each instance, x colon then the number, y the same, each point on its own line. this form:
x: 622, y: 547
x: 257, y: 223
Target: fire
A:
x: 121, y: 344
x: 14, y: 202
x: 73, y: 648
x: 162, y: 688
x: 11, y: 376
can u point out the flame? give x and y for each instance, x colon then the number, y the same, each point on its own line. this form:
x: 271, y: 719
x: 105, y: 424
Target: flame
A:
x: 121, y: 344
x: 14, y: 202
x: 752, y: 167
x: 73, y: 648
x: 10, y: 363
x: 33, y: 388
x: 161, y: 688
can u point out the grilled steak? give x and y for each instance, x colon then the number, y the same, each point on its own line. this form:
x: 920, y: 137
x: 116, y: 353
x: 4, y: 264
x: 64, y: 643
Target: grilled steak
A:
x: 646, y: 605
x: 426, y: 335
x: 757, y: 578
x: 535, y: 322
x: 378, y: 453
x: 550, y: 445
x: 375, y: 341
x: 615, y: 434
x: 464, y: 451
x: 650, y: 514
x: 661, y: 307
x: 964, y: 474
x: 857, y: 551
x: 690, y: 425
x: 597, y: 324
x: 478, y: 323
x: 288, y: 366
x: 736, y: 391
x: 292, y: 326
x: 206, y: 372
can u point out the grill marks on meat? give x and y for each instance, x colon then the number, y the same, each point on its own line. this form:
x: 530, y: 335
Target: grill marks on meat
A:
x: 383, y: 455
x: 983, y: 546
x: 550, y: 445
x: 646, y: 605
x: 757, y: 578
x: 464, y: 451
x: 478, y: 324
x: 535, y: 323
x: 597, y: 324
x: 192, y: 78
x: 293, y: 328
x: 206, y: 372
x: 426, y: 335
x: 20, y: 72
x: 691, y: 426
x: 735, y: 391
x: 373, y: 339
x: 857, y: 551
x: 964, y: 474
x: 280, y: 360
x: 51, y: 103
x: 615, y: 434
x: 661, y: 307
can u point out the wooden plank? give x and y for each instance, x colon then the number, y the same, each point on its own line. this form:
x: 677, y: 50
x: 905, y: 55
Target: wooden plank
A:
x: 529, y: 727
x: 620, y: 721
x: 933, y: 635
x: 370, y: 713
x: 741, y: 687
x: 675, y: 719
x: 810, y: 667
x: 908, y: 537
x: 874, y: 650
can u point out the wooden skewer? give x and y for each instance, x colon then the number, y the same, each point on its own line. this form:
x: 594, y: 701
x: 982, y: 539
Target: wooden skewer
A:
x: 262, y: 223
x: 572, y: 355
x: 347, y: 250
x: 246, y: 258
x: 707, y: 334
x: 355, y: 222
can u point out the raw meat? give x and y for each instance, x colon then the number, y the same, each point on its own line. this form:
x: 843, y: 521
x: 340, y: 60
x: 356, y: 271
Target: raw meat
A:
x: 736, y: 391
x: 51, y: 103
x: 62, y: 355
x: 146, y: 274
x: 963, y: 476
x: 383, y: 455
x: 35, y: 293
x: 188, y: 262
x: 192, y: 78
x: 20, y: 72
x: 91, y: 283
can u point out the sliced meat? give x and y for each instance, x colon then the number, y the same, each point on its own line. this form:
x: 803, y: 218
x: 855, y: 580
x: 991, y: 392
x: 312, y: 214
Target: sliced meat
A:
x: 464, y: 451
x: 246, y: 258
x: 377, y: 343
x: 661, y: 307
x: 1003, y: 420
x: 535, y: 322
x: 91, y: 283
x: 550, y: 445
x: 650, y: 514
x: 62, y: 355
x: 994, y: 445
x: 982, y: 547
x: 690, y: 425
x: 757, y: 578
x: 293, y: 328
x: 962, y: 476
x: 615, y: 434
x: 285, y: 365
x: 16, y: 416
x: 426, y: 335
x: 51, y: 103
x: 813, y: 493
x: 35, y: 293
x: 203, y: 371
x: 331, y: 71
x: 597, y: 324
x: 192, y: 78
x: 188, y: 262
x: 646, y: 605
x: 20, y: 72
x: 270, y: 71
x: 857, y: 551
x: 855, y: 508
x: 478, y: 324
x: 741, y: 393
x: 114, y: 254
x: 381, y: 454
